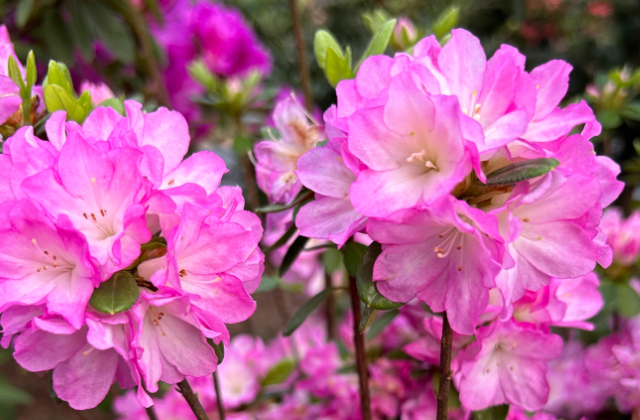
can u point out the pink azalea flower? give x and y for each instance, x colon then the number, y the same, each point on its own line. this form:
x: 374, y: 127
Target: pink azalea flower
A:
x: 622, y: 234
x: 99, y: 92
x: 413, y: 146
x: 170, y: 340
x: 331, y: 215
x: 507, y: 364
x: 43, y: 262
x: 564, y: 303
x: 10, y: 100
x: 447, y: 256
x: 277, y: 159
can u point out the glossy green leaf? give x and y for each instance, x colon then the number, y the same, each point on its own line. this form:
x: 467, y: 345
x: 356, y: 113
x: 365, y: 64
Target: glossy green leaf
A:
x: 305, y: 310
x: 56, y: 98
x: 218, y: 349
x: 379, y: 42
x: 367, y: 290
x: 24, y: 10
x: 628, y: 301
x: 292, y: 254
x: 380, y: 323
x: 631, y: 111
x: 337, y: 68
x: 279, y: 373
x: 115, y: 295
x: 114, y: 103
x: 521, y: 171
x: 14, y: 73
x: 58, y: 39
x: 322, y: 43
x: 497, y: 412
x: 353, y: 253
x: 367, y: 317
x: 32, y: 71
x: 446, y: 22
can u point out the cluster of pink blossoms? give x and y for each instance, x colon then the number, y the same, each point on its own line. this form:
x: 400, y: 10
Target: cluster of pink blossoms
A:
x: 412, y: 141
x: 114, y: 196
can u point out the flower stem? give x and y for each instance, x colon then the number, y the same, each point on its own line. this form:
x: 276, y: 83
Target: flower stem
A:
x: 361, y: 361
x: 151, y: 413
x: 445, y: 369
x: 216, y: 385
x: 192, y: 400
x: 305, y: 79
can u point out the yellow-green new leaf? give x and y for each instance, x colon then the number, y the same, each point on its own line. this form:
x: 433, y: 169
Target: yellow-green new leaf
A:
x: 337, y: 68
x: 379, y: 42
x: 322, y: 43
x: 56, y: 99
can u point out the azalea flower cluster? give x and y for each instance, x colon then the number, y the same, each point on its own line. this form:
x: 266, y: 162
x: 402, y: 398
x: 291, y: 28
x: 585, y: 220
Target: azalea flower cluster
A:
x: 419, y: 152
x: 120, y: 261
x: 204, y: 30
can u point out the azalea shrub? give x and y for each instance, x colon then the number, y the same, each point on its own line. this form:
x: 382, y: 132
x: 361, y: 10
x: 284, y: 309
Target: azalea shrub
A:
x: 448, y: 238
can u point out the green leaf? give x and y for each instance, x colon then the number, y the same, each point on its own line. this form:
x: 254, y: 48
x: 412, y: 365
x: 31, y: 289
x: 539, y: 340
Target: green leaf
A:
x: 303, y: 197
x: 636, y: 146
x: 353, y: 253
x: 24, y: 10
x: 279, y: 373
x: 631, y: 111
x: 628, y: 301
x: 497, y: 412
x: 368, y: 315
x: 445, y: 22
x: 292, y: 254
x: 56, y: 98
x: 115, y: 35
x: 305, y: 310
x: 81, y: 26
x: 115, y: 295
x: 321, y: 44
x: 58, y: 74
x: 609, y: 118
x: 379, y: 42
x: 32, y: 71
x: 14, y: 73
x: 199, y: 72
x: 114, y: 103
x: 58, y: 39
x: 267, y: 283
x: 337, y: 68
x: 85, y: 102
x: 367, y: 290
x: 283, y: 239
x: 521, y: 171
x: 380, y: 323
x: 218, y: 349
x: 332, y: 259
x: 11, y: 395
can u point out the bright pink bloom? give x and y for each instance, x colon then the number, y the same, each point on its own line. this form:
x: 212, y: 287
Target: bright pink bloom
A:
x: 447, y: 256
x: 413, y: 146
x: 277, y: 158
x: 329, y: 171
x: 623, y: 235
x: 507, y: 364
x: 10, y: 100
x: 45, y: 263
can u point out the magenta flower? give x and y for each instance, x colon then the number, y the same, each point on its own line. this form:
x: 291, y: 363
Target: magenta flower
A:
x: 447, y: 256
x: 331, y: 215
x: 507, y: 364
x: 277, y: 158
x: 43, y: 262
x: 622, y: 235
x: 10, y: 100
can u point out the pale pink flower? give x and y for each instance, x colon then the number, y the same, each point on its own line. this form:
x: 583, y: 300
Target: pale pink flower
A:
x: 623, y: 235
x: 99, y: 92
x: 507, y: 364
x: 10, y: 100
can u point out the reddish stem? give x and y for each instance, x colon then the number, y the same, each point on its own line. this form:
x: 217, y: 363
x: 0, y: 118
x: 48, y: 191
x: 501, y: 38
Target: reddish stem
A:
x: 445, y: 369
x: 361, y: 361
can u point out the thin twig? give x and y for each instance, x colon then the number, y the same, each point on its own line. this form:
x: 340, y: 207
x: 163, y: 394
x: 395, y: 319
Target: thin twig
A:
x: 329, y: 308
x: 305, y: 79
x: 445, y: 369
x: 216, y: 386
x: 192, y: 400
x: 151, y: 413
x: 361, y: 361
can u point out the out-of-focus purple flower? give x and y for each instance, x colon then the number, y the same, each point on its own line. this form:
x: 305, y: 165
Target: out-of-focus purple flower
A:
x: 623, y: 235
